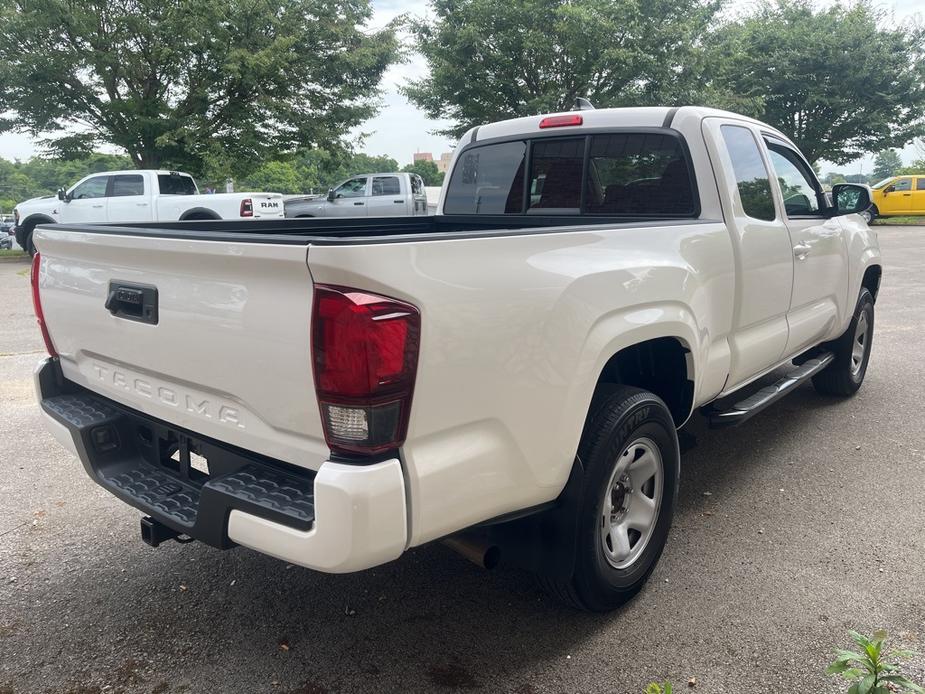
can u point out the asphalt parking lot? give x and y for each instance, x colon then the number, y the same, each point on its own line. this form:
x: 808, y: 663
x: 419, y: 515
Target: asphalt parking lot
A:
x: 803, y: 523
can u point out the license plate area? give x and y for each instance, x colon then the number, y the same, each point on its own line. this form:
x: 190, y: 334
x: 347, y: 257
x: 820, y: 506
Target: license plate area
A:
x: 179, y: 454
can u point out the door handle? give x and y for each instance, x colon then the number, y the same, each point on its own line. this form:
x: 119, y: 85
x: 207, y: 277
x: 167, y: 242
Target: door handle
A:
x: 358, y: 203
x: 907, y: 195
x: 801, y: 250
x: 399, y: 202
x: 141, y: 204
x: 96, y: 207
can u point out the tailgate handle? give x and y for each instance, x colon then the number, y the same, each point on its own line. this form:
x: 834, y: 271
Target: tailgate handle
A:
x: 137, y: 302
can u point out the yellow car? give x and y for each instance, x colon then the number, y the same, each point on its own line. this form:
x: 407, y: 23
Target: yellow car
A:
x: 898, y: 196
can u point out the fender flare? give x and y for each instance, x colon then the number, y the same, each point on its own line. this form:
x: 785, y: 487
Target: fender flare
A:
x: 199, y: 211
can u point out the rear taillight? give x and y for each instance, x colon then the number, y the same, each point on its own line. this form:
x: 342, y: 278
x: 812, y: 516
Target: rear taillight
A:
x: 247, y: 207
x: 365, y: 357
x: 561, y: 121
x: 37, y: 304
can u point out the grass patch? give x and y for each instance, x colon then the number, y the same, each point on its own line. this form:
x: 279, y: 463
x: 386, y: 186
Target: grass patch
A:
x: 12, y: 253
x: 900, y: 221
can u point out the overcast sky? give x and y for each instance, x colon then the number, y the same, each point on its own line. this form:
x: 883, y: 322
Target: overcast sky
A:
x: 400, y: 129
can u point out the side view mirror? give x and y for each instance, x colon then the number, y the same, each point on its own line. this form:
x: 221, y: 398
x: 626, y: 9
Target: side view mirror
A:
x: 889, y: 189
x: 331, y: 195
x: 62, y: 195
x: 850, y: 198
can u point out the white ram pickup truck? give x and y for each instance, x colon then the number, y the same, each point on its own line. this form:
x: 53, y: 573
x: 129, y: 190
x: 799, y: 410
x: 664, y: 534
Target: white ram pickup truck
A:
x: 508, y: 375
x: 138, y: 196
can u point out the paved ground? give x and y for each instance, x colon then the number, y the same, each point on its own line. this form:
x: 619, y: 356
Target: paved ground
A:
x: 803, y: 523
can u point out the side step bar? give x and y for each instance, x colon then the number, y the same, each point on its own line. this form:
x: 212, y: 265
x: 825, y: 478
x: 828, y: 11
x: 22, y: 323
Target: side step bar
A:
x: 753, y: 404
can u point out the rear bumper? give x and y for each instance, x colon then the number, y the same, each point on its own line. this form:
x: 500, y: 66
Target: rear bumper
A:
x: 341, y: 518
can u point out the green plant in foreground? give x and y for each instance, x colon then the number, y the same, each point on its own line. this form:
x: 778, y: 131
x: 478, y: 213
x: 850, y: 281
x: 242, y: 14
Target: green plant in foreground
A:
x: 656, y: 688
x: 874, y: 670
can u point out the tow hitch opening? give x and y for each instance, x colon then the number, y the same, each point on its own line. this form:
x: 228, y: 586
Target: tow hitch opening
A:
x: 153, y: 532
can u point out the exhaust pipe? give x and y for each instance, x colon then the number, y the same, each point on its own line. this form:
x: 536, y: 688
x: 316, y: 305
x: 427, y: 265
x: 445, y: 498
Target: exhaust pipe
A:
x: 480, y: 553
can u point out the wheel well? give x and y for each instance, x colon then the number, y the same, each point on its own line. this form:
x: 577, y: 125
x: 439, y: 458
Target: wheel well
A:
x: 659, y: 366
x: 871, y: 280
x: 198, y: 213
x: 33, y: 221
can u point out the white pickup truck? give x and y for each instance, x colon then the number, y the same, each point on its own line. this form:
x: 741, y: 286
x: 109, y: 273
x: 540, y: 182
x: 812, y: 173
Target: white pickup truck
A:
x: 365, y: 195
x: 138, y: 196
x: 508, y: 375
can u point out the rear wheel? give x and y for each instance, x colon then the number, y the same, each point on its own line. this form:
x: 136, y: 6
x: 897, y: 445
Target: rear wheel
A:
x: 629, y: 451
x: 30, y: 246
x: 852, y: 352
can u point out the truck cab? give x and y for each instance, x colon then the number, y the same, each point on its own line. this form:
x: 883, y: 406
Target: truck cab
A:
x: 366, y: 195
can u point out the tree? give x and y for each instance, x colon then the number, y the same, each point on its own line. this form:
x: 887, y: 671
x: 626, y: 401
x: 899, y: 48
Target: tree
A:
x: 839, y: 80
x: 189, y: 83
x: 886, y: 164
x: 428, y: 172
x: 495, y: 59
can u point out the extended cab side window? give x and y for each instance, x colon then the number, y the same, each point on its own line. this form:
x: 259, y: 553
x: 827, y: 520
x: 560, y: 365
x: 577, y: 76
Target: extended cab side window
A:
x: 639, y: 173
x: 920, y: 184
x: 797, y: 185
x: 386, y: 185
x: 91, y: 188
x: 128, y: 184
x: 488, y: 180
x: 751, y: 175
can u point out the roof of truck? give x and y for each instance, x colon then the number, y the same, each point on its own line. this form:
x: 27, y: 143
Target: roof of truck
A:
x: 637, y: 117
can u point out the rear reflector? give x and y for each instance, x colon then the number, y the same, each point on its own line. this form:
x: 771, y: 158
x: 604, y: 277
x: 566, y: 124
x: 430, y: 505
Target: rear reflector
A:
x: 365, y: 354
x: 37, y: 304
x: 561, y: 121
x: 247, y: 207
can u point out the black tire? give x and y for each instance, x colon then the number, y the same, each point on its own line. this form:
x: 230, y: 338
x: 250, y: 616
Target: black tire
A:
x: 846, y: 374
x: 30, y: 247
x: 873, y: 213
x: 628, y: 416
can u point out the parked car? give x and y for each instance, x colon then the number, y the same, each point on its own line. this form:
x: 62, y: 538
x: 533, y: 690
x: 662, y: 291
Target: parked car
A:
x: 139, y: 196
x: 898, y: 196
x: 367, y: 195
x: 509, y: 373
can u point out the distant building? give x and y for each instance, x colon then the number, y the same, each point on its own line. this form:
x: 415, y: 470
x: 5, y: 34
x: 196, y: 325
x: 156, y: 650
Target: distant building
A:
x: 443, y: 164
x: 422, y: 156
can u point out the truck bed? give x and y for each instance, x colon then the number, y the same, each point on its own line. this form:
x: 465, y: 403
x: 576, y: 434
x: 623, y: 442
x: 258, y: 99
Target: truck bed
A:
x: 354, y: 230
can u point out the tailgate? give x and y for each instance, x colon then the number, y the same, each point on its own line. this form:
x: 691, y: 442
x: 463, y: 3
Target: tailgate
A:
x: 229, y: 356
x: 268, y: 204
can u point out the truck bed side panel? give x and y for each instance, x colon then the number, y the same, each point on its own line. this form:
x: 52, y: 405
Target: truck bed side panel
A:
x: 515, y: 332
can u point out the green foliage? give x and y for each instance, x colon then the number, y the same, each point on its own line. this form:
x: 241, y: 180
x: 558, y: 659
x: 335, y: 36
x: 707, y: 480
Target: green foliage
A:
x: 197, y: 85
x: 886, y: 164
x: 874, y: 670
x: 496, y: 59
x: 428, y: 172
x: 656, y: 688
x: 916, y: 169
x: 840, y: 80
x: 23, y: 180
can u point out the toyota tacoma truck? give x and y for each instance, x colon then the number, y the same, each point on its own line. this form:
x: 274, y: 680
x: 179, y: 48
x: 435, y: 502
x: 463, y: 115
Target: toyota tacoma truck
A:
x: 366, y: 195
x: 508, y: 375
x: 138, y: 196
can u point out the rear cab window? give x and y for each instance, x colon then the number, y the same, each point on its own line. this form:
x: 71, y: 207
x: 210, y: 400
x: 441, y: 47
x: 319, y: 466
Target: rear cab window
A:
x: 176, y: 184
x: 632, y: 174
